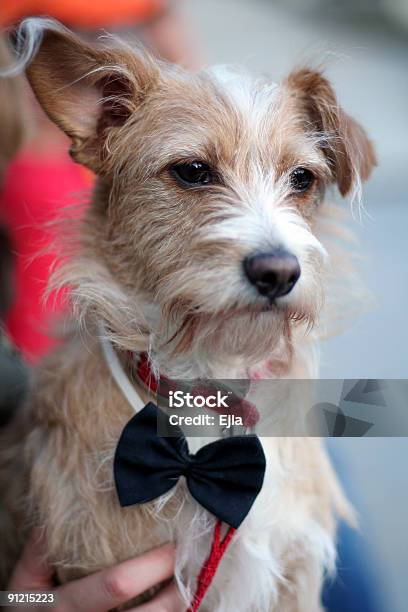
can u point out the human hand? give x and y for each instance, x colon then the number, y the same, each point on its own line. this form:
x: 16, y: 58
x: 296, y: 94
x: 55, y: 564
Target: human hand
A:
x: 103, y: 590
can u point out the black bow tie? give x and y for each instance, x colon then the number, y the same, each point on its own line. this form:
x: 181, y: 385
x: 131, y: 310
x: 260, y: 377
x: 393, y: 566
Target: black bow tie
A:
x: 225, y: 476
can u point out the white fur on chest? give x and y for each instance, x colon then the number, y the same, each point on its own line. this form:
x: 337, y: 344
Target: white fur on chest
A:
x: 279, y: 533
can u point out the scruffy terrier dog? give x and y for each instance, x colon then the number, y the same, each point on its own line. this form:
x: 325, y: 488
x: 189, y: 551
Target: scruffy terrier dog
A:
x: 202, y: 248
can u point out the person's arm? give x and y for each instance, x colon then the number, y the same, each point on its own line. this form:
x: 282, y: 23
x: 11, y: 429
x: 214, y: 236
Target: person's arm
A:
x: 103, y: 590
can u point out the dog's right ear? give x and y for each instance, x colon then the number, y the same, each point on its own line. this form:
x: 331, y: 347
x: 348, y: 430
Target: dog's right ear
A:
x: 88, y: 90
x: 346, y: 145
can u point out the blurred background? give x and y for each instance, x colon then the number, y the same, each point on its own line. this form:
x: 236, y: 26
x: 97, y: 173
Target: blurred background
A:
x: 364, y: 46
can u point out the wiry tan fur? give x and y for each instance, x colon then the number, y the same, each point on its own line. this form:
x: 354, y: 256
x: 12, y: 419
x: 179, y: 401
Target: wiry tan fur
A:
x: 161, y: 267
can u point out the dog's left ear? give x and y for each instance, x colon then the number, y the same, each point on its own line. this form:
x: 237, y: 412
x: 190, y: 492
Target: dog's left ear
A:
x: 349, y: 151
x: 88, y: 90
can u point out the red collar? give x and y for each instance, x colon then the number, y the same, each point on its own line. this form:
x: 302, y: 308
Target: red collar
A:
x: 144, y: 372
x: 238, y: 407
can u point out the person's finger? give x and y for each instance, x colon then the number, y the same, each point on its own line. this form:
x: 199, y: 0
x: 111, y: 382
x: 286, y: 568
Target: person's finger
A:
x: 111, y: 587
x: 167, y: 600
x: 31, y: 571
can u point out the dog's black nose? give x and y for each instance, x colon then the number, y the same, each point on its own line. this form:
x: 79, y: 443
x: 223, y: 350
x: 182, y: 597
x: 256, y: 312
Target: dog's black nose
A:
x: 274, y: 274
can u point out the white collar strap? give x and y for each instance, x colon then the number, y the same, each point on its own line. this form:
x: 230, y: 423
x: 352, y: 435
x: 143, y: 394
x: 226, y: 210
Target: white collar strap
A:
x: 117, y: 371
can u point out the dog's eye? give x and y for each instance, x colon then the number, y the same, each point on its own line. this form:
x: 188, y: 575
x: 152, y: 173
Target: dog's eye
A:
x: 301, y: 179
x: 193, y: 173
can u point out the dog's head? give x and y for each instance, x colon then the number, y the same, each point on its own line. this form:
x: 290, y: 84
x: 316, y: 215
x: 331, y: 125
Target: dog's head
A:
x: 210, y: 187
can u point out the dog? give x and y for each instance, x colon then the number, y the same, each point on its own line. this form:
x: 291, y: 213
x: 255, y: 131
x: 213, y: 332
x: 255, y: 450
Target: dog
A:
x: 201, y: 247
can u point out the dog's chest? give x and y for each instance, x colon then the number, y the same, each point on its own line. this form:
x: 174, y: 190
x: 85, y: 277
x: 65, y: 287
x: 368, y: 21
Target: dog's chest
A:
x: 87, y: 529
x: 278, y: 532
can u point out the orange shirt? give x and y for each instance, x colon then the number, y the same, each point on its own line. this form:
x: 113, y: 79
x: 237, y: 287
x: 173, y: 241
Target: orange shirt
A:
x: 35, y: 191
x: 79, y: 13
